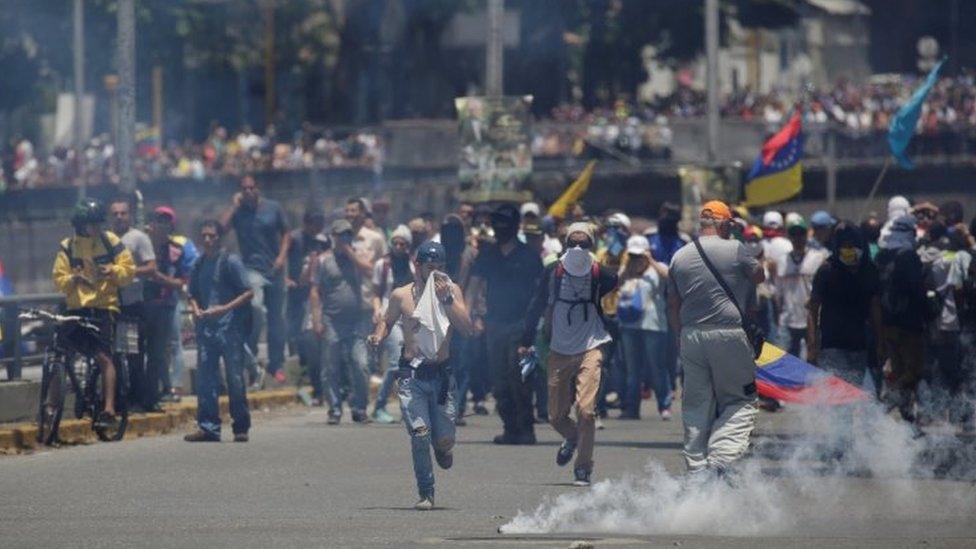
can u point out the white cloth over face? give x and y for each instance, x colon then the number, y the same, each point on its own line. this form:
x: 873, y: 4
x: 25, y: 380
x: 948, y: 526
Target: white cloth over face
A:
x: 577, y: 261
x: 433, y: 319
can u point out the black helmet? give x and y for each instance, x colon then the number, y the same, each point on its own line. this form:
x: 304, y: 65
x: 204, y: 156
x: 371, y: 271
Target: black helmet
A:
x: 88, y: 210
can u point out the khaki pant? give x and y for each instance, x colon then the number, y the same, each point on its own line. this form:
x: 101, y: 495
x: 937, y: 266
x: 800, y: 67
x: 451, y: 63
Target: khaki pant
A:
x: 718, y: 404
x: 575, y: 379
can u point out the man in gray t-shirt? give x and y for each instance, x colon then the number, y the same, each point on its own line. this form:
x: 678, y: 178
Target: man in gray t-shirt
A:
x: 138, y: 244
x: 718, y: 403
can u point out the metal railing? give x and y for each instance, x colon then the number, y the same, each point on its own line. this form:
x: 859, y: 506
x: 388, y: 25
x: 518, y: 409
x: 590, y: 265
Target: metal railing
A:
x: 13, y: 357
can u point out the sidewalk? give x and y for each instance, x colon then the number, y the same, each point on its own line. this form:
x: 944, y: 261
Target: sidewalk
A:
x: 16, y: 438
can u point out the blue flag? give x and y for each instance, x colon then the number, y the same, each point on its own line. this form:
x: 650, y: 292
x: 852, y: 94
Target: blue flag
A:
x: 902, y: 126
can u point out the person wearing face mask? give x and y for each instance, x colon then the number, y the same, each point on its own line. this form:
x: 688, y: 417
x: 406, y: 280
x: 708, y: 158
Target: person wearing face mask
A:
x: 570, y: 294
x: 507, y: 271
x: 391, y: 272
x: 903, y: 313
x: 845, y: 297
x: 710, y: 284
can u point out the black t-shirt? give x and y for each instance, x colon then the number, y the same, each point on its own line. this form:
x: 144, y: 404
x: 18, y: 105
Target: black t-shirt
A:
x: 845, y: 304
x: 902, y: 289
x: 511, y: 280
x: 301, y: 246
x: 259, y: 233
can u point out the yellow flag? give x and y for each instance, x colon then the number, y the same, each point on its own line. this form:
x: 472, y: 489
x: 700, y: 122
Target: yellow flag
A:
x: 574, y: 192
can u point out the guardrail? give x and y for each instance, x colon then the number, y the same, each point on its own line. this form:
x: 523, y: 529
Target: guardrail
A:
x: 13, y: 357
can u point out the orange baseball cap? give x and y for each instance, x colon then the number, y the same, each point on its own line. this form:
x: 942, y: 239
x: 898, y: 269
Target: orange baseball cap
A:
x: 716, y: 209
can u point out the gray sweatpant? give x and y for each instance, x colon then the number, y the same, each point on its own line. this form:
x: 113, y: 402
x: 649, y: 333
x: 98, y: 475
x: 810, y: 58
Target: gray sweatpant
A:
x: 719, y: 398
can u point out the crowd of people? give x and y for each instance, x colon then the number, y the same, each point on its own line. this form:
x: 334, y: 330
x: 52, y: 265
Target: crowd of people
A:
x: 550, y: 316
x: 858, y: 112
x: 220, y: 154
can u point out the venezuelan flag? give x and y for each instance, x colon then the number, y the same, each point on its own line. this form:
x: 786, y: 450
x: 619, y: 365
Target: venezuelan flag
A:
x: 785, y: 377
x: 777, y: 174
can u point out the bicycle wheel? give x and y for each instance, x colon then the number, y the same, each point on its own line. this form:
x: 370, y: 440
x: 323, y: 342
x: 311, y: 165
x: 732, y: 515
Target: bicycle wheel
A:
x: 121, y: 406
x: 51, y: 403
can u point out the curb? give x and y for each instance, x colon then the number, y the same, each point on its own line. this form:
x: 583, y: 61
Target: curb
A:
x: 23, y: 437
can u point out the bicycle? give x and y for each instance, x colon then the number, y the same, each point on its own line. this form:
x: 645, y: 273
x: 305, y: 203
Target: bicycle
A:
x: 59, y: 367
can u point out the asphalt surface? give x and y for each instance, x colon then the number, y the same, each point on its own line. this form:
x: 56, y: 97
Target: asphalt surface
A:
x: 300, y: 482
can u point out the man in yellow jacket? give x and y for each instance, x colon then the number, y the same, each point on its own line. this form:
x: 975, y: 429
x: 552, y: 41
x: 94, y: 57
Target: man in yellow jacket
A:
x: 89, y: 269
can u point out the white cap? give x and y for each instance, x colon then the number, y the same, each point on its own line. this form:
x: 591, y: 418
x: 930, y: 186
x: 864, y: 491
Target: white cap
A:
x: 772, y: 219
x: 619, y: 218
x: 402, y: 231
x: 792, y: 218
x: 638, y: 245
x: 530, y: 208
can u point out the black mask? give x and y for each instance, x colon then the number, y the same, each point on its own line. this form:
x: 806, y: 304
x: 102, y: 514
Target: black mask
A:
x: 504, y: 233
x: 668, y: 225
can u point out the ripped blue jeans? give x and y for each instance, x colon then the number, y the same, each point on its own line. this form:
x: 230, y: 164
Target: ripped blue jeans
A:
x: 427, y: 422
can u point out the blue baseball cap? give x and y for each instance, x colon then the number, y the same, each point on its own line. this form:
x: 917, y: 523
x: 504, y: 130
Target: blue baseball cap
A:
x: 431, y: 252
x: 822, y: 219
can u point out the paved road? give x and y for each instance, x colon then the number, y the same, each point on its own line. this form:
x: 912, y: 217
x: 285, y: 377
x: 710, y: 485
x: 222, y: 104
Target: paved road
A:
x: 302, y: 483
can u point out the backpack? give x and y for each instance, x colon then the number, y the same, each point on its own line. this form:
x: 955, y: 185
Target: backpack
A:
x: 560, y: 273
x: 630, y: 308
x: 111, y: 251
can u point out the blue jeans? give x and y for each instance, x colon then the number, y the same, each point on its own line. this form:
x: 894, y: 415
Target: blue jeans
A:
x: 176, y: 347
x: 425, y: 418
x: 294, y: 316
x: 344, y: 357
x: 645, y: 351
x: 268, y: 304
x: 210, y: 348
x: 392, y: 348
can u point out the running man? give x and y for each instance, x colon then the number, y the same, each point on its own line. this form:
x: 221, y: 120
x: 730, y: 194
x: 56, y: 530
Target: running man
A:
x: 427, y: 387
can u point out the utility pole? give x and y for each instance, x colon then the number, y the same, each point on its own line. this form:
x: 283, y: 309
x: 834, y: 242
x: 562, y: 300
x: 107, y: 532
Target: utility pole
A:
x: 126, y: 59
x: 269, y: 62
x: 711, y: 78
x: 79, y: 69
x: 494, y: 49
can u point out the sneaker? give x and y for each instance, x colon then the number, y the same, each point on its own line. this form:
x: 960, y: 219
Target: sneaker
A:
x: 479, y: 409
x: 201, y: 436
x: 444, y: 459
x: 383, y: 417
x: 565, y: 453
x: 612, y: 399
x: 241, y: 437
x: 581, y: 476
x: 360, y: 417
x: 171, y: 397
x: 460, y: 422
x: 666, y: 414
x: 525, y: 439
x: 426, y: 503
x: 334, y: 418
x: 541, y: 420
x: 107, y: 420
x: 280, y: 377
x: 509, y: 439
x: 599, y: 424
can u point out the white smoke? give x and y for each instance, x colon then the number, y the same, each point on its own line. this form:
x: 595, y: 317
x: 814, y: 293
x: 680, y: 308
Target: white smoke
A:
x: 788, y: 481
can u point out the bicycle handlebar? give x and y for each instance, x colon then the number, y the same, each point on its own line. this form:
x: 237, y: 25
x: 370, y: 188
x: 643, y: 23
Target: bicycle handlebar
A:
x: 42, y: 315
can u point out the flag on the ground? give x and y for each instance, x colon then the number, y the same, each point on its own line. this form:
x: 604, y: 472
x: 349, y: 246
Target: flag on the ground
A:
x: 777, y: 174
x: 574, y: 192
x: 902, y: 126
x: 782, y: 376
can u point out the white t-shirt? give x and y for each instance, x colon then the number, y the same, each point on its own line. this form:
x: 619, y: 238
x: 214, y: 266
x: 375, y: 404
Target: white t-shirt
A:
x: 651, y: 287
x: 776, y: 247
x: 794, y: 279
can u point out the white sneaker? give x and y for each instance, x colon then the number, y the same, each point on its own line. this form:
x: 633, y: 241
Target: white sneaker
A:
x: 425, y: 504
x: 666, y: 415
x: 599, y: 425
